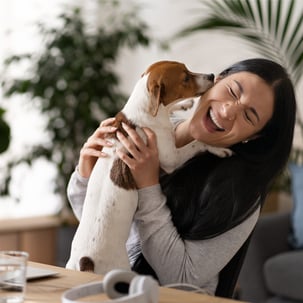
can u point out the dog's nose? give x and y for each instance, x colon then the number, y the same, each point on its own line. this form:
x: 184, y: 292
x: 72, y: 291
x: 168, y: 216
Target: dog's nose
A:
x: 211, y: 77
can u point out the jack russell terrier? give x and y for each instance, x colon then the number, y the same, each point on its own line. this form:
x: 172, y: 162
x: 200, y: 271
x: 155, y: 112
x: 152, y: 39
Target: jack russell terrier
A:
x: 111, y: 198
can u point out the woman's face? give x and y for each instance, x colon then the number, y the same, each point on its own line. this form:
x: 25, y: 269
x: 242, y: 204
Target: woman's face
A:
x: 235, y: 109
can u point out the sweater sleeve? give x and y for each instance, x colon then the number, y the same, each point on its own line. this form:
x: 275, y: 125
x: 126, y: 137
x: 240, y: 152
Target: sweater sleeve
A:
x: 76, y: 191
x: 183, y: 261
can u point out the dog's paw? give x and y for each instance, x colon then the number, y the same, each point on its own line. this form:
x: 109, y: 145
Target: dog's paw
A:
x: 220, y: 151
x: 182, y: 105
x: 187, y: 104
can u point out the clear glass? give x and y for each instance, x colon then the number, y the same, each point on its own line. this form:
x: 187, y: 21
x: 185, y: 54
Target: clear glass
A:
x: 12, y: 276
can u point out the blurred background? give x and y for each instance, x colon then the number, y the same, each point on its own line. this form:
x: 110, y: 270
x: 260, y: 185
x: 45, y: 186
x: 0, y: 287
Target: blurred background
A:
x: 65, y: 65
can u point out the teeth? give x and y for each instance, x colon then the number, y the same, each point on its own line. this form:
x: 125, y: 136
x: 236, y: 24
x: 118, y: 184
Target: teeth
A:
x: 214, y: 120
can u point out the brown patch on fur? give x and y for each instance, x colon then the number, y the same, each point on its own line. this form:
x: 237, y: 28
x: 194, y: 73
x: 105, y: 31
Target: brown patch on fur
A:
x: 119, y: 118
x: 120, y: 173
x: 121, y: 176
x: 86, y: 264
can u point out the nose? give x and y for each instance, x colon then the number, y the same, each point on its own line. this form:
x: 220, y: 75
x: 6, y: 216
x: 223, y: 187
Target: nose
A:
x: 230, y: 110
x: 211, y: 77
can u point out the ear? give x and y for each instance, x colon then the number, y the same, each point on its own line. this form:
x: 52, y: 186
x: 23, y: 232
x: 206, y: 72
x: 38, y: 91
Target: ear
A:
x: 155, y: 93
x: 254, y: 137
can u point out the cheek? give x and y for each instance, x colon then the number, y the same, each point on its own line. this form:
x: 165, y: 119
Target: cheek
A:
x: 242, y: 132
x: 201, y: 109
x: 217, y: 92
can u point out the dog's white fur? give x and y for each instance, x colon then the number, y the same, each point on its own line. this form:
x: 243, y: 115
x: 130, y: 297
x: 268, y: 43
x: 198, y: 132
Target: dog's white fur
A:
x: 109, y: 209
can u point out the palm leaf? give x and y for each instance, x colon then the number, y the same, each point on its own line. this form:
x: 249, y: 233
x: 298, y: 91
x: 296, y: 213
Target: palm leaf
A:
x: 277, y: 17
x: 287, y: 19
x: 260, y: 24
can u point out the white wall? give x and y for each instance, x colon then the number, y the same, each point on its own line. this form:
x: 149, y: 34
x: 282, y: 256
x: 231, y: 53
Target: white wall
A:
x: 204, y: 52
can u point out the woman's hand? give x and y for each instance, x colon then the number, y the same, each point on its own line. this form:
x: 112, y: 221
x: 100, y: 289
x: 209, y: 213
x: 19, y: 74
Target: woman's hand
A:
x: 144, y: 159
x: 92, y: 149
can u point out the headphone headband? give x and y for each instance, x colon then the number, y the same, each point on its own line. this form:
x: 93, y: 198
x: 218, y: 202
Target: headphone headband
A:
x: 142, y: 289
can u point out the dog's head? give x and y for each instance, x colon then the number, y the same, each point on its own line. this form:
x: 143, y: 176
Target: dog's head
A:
x: 170, y: 81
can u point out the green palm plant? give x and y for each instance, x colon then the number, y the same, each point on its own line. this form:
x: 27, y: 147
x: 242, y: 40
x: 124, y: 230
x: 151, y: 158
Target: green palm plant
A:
x: 274, y: 28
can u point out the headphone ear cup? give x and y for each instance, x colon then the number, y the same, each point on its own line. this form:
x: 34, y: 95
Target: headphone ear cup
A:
x: 116, y: 283
x: 145, y: 286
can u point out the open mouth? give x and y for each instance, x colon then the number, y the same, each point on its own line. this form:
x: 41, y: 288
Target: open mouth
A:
x: 216, y: 125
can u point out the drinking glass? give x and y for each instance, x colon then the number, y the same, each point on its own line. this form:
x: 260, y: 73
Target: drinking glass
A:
x: 12, y: 276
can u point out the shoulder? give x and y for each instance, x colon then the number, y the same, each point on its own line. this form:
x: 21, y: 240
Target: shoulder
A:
x: 245, y: 228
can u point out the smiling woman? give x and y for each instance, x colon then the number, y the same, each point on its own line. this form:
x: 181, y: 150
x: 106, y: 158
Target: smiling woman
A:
x: 192, y: 226
x: 235, y: 109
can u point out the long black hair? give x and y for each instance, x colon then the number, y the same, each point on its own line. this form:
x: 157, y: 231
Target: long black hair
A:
x: 209, y: 195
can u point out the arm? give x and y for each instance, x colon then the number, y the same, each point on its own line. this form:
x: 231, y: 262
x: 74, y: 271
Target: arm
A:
x: 76, y: 191
x: 181, y: 261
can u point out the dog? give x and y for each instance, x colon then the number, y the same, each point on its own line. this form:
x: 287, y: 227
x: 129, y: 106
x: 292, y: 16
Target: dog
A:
x: 111, y: 198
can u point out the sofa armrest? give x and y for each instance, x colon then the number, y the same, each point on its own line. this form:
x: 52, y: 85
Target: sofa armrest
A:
x: 269, y: 238
x: 283, y: 275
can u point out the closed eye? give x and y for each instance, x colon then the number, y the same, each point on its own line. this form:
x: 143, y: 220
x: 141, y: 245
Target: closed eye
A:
x: 232, y: 93
x: 246, y: 113
x: 247, y: 118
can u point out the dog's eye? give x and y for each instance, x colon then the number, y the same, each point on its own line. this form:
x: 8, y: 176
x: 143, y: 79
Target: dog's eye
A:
x: 186, y: 78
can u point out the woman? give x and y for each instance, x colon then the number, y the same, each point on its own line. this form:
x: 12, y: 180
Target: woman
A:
x: 190, y: 224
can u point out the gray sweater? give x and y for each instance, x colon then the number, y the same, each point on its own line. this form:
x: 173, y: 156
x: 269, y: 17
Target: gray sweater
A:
x: 176, y: 261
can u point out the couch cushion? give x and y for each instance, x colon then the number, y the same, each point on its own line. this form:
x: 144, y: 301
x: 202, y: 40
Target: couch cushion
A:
x: 284, y: 274
x: 281, y: 300
x: 296, y: 234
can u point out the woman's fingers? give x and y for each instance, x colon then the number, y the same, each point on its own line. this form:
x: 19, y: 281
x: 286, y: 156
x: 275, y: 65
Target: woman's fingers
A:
x: 140, y: 156
x: 129, y: 146
x: 97, y: 143
x: 134, y: 143
x: 99, y: 138
x: 92, y: 148
x: 151, y: 138
x: 138, y: 151
x: 87, y: 151
x: 106, y: 127
x: 108, y: 122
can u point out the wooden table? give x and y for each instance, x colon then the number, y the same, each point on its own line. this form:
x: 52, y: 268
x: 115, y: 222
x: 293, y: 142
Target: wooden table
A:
x: 50, y: 289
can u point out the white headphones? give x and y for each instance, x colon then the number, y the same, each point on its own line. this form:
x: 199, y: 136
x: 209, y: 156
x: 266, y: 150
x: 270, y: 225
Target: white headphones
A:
x: 123, y: 285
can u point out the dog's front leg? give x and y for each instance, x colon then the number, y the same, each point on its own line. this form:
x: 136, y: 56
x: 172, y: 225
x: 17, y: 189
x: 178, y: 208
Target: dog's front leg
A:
x: 180, y: 155
x: 190, y: 150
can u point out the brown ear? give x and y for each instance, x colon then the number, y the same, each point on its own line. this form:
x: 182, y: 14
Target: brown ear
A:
x: 155, y: 93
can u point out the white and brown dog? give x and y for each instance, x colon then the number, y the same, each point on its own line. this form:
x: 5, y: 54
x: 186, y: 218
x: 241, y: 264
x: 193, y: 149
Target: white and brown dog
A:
x: 111, y: 199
